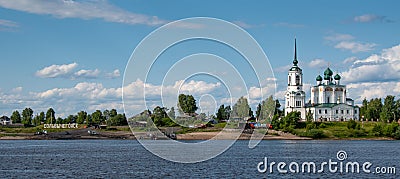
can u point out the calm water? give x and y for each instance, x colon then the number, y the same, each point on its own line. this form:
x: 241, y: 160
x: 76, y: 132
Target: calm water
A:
x: 128, y: 159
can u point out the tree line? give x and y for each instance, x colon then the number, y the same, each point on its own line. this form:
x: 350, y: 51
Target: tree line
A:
x: 162, y: 116
x: 376, y: 110
x: 109, y: 117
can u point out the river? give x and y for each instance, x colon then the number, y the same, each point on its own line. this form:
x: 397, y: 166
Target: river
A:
x: 128, y: 159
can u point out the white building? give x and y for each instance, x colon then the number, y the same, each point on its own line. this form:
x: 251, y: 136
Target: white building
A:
x: 329, y: 100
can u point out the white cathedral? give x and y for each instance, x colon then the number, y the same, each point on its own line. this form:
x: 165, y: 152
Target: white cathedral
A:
x: 328, y: 102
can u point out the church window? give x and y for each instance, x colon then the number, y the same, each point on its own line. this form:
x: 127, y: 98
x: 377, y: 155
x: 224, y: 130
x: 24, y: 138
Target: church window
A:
x: 290, y: 79
x: 319, y: 111
x: 347, y: 111
x: 298, y: 103
x: 341, y: 111
x: 355, y: 111
x: 297, y: 80
x: 337, y: 111
x: 326, y: 111
x: 327, y: 100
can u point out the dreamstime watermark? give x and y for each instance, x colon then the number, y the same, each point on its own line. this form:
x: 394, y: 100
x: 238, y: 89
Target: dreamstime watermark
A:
x: 331, y: 166
x: 147, y: 67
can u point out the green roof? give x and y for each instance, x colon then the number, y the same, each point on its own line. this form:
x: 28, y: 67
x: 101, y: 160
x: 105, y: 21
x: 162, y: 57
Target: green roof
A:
x: 328, y: 71
x: 319, y: 78
x: 337, y: 77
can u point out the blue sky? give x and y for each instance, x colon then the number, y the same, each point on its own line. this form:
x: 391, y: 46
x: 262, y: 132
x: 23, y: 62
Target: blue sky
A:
x: 71, y: 55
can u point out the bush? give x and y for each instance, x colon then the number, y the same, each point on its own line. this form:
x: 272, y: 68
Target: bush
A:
x: 314, y: 133
x: 377, y: 130
x: 311, y: 126
x: 322, y: 125
x: 351, y: 124
x: 390, y: 129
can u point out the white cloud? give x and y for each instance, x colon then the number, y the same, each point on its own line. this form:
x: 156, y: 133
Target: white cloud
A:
x: 17, y: 89
x: 376, y: 68
x: 350, y: 60
x: 370, y: 18
x: 355, y: 46
x: 54, y: 71
x: 318, y: 63
x: 334, y: 37
x: 88, y: 9
x: 7, y: 25
x: 347, y: 42
x: 246, y: 25
x: 87, y: 74
x: 91, y: 96
x: 114, y: 74
x: 69, y: 71
x: 370, y: 90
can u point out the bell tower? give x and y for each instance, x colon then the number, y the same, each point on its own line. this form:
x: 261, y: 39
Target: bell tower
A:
x: 295, y: 96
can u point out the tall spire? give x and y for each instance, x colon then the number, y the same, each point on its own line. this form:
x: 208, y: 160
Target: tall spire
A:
x: 295, y: 53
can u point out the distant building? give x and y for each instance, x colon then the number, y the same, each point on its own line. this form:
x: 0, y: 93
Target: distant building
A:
x: 329, y: 100
x: 4, y: 120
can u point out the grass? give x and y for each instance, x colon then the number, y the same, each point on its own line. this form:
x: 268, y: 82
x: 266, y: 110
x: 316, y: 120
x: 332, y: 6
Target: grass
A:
x: 337, y: 130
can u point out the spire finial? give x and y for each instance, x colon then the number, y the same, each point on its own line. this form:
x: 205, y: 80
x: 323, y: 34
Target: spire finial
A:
x: 295, y: 53
x: 295, y: 49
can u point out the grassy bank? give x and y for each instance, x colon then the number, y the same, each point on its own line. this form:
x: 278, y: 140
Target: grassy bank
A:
x: 348, y: 130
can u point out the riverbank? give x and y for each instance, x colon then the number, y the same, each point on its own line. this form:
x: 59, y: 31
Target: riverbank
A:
x: 99, y: 134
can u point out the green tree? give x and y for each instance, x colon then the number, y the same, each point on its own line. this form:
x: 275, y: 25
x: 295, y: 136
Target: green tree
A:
x: 106, y: 114
x: 277, y: 107
x: 70, y: 119
x: 374, y: 109
x: 50, y: 116
x: 27, y: 115
x: 97, y: 117
x: 42, y: 117
x: 82, y: 115
x: 223, y: 112
x: 363, y: 109
x: 388, y: 109
x: 290, y: 121
x: 16, y: 117
x: 113, y: 113
x: 158, y: 115
x: 36, y: 120
x: 221, y: 115
x: 251, y: 114
x: 268, y: 108
x: 119, y: 120
x: 309, y: 116
x: 171, y: 113
x: 258, y: 111
x: 187, y: 104
x: 241, y: 108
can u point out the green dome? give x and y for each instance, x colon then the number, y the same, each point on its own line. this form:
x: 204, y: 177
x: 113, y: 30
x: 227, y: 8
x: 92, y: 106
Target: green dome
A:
x: 319, y: 78
x: 337, y: 77
x: 328, y: 71
x: 327, y: 77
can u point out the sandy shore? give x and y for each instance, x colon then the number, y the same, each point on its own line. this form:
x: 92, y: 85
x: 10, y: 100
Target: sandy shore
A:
x: 273, y: 135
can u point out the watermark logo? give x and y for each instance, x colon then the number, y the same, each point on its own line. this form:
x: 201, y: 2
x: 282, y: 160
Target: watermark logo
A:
x: 156, y: 75
x: 341, y: 155
x: 329, y: 166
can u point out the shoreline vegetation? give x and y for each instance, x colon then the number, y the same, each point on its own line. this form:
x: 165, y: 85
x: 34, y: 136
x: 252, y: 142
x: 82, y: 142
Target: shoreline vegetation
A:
x: 378, y: 122
x: 326, y: 131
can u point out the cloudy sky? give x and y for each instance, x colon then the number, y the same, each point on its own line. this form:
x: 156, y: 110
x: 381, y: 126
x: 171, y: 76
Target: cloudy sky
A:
x: 72, y: 55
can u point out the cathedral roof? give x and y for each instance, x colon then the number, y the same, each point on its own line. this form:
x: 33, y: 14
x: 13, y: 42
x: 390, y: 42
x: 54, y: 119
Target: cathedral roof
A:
x: 295, y: 61
x: 328, y: 71
x: 319, y: 78
x: 337, y: 77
